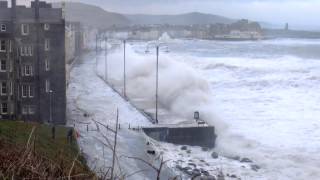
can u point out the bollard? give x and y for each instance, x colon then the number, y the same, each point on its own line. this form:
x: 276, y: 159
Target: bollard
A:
x: 129, y: 125
x: 87, y: 127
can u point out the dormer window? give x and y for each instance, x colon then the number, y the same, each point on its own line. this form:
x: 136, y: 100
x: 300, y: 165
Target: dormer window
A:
x: 46, y: 27
x: 24, y: 29
x: 3, y: 28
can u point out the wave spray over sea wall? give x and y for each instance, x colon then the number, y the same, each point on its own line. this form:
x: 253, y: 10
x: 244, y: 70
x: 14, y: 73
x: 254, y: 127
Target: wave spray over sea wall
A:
x: 182, y: 91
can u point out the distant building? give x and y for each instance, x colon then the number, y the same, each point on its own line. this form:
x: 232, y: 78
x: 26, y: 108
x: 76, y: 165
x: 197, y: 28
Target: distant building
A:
x: 286, y: 27
x: 32, y: 58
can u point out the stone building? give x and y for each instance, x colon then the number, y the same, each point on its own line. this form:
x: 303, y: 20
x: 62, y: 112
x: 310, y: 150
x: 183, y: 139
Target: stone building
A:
x: 32, y: 59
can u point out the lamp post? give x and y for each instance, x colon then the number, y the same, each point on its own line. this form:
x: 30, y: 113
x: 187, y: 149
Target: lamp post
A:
x: 157, y: 83
x: 106, y: 58
x: 50, y: 95
x: 124, y: 69
x: 51, y: 121
x: 158, y: 45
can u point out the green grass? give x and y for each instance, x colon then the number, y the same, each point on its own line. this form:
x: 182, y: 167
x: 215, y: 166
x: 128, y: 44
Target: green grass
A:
x: 17, y: 133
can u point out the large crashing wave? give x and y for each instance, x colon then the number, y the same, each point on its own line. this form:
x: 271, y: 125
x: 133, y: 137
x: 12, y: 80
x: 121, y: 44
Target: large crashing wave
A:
x: 182, y: 91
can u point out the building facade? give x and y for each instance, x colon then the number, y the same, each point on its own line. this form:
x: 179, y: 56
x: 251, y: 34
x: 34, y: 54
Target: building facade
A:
x: 32, y: 58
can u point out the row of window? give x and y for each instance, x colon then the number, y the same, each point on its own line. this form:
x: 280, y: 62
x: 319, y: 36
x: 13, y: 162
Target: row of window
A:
x: 24, y: 28
x: 27, y: 69
x: 27, y: 90
x: 24, y: 50
x: 26, y: 109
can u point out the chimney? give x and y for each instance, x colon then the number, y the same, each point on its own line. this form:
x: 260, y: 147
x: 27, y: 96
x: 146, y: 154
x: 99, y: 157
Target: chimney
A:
x: 13, y: 3
x: 37, y: 9
x: 13, y: 9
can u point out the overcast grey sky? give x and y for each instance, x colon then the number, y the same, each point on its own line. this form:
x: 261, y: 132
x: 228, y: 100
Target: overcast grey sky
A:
x: 296, y: 12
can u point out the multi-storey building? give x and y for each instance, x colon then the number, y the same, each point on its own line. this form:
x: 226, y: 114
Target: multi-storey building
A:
x: 32, y: 63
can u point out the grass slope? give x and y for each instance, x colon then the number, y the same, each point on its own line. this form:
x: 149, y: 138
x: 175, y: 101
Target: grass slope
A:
x: 51, y: 152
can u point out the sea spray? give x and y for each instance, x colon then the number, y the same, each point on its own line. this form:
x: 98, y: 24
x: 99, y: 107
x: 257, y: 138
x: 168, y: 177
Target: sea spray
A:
x: 182, y: 91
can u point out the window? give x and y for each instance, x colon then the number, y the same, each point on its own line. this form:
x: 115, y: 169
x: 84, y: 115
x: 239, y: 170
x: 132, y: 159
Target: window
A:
x: 30, y: 50
x: 3, y: 47
x: 4, y: 108
x: 31, y: 91
x: 3, y: 28
x: 28, y: 109
x: 32, y: 110
x: 47, y: 64
x: 4, y: 88
x: 24, y: 29
x: 47, y: 86
x: 25, y: 91
x: 47, y: 44
x: 3, y: 65
x: 26, y: 50
x: 25, y: 110
x: 46, y: 27
x: 28, y: 70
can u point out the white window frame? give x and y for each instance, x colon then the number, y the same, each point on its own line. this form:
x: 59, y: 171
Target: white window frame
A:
x: 22, y: 51
x: 24, y: 110
x: 3, y: 28
x: 24, y: 91
x: 3, y: 70
x: 46, y: 27
x: 47, y: 86
x: 47, y: 44
x: 30, y: 50
x: 2, y: 112
x: 47, y: 64
x: 26, y: 72
x: 25, y: 29
x: 31, y: 91
x: 31, y: 109
x: 5, y: 45
x: 6, y: 88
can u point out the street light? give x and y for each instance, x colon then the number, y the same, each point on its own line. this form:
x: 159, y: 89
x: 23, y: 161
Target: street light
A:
x: 53, y: 131
x: 158, y: 45
x: 106, y: 58
x: 50, y: 95
x: 124, y: 69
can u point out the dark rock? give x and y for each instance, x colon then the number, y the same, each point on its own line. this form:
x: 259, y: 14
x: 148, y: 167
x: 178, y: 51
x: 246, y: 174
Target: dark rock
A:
x: 236, y: 158
x: 196, y: 172
x: 205, y: 149
x: 205, y: 173
x: 233, y: 176
x: 184, y: 148
x: 214, y: 155
x: 192, y: 164
x: 152, y: 152
x: 246, y: 160
x: 255, y: 167
x: 188, y: 151
x: 179, y: 167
